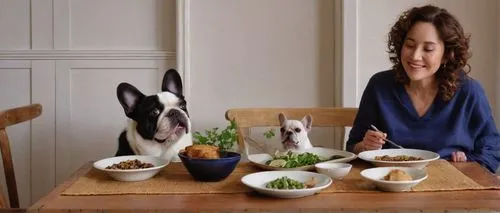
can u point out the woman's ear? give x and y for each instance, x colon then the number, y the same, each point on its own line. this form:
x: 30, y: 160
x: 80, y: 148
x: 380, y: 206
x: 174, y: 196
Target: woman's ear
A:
x: 450, y: 56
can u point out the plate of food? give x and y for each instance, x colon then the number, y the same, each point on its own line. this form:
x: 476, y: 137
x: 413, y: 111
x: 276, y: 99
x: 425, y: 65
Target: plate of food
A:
x: 399, y: 157
x: 131, y: 167
x: 300, y: 160
x: 394, y: 179
x: 287, y: 184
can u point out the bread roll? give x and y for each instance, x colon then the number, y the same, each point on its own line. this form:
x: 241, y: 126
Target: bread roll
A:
x: 397, y: 175
x: 202, y: 151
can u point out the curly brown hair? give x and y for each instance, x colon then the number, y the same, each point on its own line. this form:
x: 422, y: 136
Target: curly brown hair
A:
x: 456, y: 45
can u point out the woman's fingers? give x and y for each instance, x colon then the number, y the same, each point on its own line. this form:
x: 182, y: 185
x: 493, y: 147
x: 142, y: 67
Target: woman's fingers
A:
x: 461, y: 157
x: 376, y: 137
x: 373, y: 140
x: 372, y: 146
x: 376, y: 134
x: 372, y: 143
x: 458, y: 156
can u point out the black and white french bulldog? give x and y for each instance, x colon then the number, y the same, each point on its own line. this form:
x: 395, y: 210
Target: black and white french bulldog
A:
x: 294, y: 133
x: 159, y: 124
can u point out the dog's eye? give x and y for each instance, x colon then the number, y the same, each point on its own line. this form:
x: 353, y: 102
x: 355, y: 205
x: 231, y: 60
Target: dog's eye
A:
x: 155, y: 112
x: 183, y: 107
x: 297, y: 130
x: 282, y: 129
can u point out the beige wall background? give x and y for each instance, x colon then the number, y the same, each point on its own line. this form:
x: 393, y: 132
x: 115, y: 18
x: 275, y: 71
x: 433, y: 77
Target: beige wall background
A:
x: 261, y: 53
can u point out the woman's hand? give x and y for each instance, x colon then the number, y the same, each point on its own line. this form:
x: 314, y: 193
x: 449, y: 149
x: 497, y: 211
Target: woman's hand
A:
x: 458, y: 156
x: 373, y: 140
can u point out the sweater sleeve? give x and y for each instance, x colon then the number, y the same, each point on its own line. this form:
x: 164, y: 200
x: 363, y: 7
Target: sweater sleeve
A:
x: 482, y: 127
x: 366, y: 115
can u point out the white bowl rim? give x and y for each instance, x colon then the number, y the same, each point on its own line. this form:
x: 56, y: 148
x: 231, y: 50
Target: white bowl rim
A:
x: 164, y: 163
x: 324, y: 165
x: 329, y: 182
x: 363, y: 157
x: 395, y: 182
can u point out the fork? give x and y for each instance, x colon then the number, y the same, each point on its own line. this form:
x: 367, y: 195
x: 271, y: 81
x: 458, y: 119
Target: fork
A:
x: 387, y: 140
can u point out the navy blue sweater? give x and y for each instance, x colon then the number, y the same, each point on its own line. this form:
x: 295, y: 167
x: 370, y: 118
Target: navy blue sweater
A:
x: 464, y: 123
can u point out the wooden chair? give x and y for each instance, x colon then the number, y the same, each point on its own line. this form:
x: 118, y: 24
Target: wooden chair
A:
x: 247, y: 118
x: 8, y: 118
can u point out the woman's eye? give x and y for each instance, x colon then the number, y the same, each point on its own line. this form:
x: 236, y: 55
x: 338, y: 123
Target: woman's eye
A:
x: 409, y: 46
x: 297, y: 130
x: 428, y: 50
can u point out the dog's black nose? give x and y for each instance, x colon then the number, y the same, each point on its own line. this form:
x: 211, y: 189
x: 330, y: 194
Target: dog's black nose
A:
x: 289, y: 132
x: 175, y: 113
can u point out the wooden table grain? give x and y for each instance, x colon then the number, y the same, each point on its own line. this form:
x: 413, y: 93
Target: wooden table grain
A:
x: 460, y: 201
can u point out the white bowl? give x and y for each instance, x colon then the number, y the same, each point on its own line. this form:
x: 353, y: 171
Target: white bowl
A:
x: 258, y: 181
x: 336, y: 171
x: 376, y: 175
x: 260, y: 159
x: 427, y: 156
x: 131, y: 174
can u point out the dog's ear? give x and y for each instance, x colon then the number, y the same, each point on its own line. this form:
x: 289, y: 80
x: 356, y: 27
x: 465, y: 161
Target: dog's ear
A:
x: 172, y: 82
x: 307, y: 122
x: 129, y: 98
x: 282, y: 119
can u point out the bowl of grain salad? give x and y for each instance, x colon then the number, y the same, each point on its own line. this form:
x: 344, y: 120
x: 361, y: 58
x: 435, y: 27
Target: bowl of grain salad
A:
x: 131, y: 167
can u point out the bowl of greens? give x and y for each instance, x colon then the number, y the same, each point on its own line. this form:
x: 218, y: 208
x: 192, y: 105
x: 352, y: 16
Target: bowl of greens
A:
x: 287, y: 184
x: 300, y: 161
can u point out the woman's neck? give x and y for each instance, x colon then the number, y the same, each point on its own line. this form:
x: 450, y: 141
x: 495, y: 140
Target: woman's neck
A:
x: 424, y: 87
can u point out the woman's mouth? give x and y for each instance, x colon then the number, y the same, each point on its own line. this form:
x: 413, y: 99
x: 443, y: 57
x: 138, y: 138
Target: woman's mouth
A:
x: 416, y: 66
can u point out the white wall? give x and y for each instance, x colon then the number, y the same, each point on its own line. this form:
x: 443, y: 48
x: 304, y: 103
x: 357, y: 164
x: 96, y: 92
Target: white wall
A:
x: 479, y: 18
x: 263, y: 53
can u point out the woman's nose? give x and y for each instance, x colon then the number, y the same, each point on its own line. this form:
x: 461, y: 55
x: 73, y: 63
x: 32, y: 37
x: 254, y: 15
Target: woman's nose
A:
x: 416, y: 54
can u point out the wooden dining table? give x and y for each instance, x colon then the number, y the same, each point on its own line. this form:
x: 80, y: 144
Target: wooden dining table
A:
x: 444, y: 201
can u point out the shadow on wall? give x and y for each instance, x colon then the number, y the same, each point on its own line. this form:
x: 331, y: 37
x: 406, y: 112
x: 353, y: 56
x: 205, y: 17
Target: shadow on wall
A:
x: 326, y: 54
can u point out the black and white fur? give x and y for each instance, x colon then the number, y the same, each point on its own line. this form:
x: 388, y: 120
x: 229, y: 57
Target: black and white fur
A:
x: 294, y: 133
x: 158, y: 125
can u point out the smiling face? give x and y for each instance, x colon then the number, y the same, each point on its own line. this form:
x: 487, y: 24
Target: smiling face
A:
x: 422, y: 52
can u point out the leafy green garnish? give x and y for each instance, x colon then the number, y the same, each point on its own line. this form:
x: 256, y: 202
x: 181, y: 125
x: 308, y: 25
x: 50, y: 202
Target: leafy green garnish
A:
x: 295, y: 159
x: 285, y: 183
x: 291, y: 159
x: 224, y: 139
x: 269, y: 133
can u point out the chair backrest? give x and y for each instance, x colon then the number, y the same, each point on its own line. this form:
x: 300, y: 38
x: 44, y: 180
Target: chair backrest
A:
x: 262, y: 117
x: 8, y: 118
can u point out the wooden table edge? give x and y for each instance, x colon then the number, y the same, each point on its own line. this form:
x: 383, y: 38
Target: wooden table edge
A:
x: 61, y: 187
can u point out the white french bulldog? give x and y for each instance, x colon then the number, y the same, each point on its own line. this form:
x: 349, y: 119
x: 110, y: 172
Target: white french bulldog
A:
x: 159, y: 124
x: 294, y: 133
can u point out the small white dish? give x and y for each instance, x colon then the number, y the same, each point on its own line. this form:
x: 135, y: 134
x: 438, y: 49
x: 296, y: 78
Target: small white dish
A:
x: 336, y: 171
x: 376, y: 175
x: 131, y: 174
x: 427, y: 157
x: 260, y: 159
x: 258, y: 181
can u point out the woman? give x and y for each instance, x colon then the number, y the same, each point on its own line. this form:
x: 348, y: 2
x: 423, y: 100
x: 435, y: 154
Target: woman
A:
x: 427, y: 100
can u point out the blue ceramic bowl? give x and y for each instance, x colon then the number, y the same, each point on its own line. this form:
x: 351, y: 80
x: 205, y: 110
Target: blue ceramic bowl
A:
x: 211, y: 169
